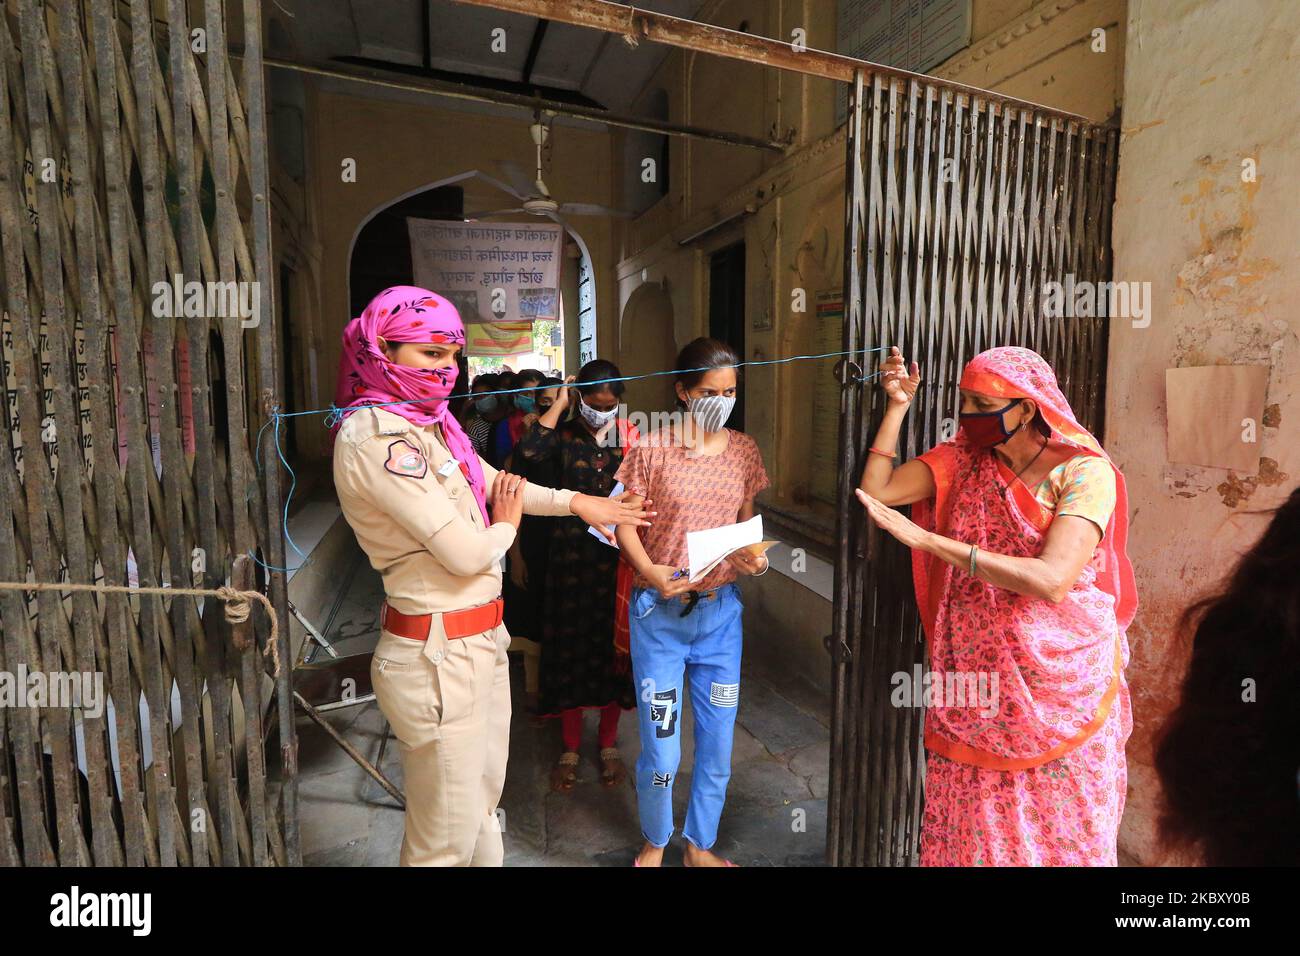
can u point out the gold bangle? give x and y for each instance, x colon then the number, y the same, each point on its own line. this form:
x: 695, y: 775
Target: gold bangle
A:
x: 974, y: 549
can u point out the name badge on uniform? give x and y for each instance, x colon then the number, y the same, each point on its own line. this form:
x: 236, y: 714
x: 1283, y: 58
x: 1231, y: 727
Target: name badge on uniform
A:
x: 448, y: 467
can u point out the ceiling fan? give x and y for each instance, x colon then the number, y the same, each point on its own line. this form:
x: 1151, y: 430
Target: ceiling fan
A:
x: 535, y: 198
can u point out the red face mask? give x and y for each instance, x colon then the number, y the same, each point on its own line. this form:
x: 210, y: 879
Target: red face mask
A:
x: 987, y: 429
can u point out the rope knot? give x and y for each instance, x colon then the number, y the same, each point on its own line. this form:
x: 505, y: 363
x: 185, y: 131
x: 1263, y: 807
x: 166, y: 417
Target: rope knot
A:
x: 237, y: 606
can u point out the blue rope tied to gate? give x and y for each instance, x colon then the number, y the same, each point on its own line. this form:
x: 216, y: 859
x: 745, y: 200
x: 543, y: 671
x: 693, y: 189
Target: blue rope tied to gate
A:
x: 334, y: 415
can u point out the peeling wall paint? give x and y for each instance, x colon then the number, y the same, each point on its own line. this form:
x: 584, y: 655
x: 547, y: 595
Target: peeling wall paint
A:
x: 1222, y: 256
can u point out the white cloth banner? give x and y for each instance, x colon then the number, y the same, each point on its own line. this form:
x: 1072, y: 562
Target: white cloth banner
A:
x: 502, y: 272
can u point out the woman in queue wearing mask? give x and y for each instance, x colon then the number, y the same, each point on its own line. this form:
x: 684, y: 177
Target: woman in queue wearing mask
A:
x: 687, y: 637
x: 582, y: 439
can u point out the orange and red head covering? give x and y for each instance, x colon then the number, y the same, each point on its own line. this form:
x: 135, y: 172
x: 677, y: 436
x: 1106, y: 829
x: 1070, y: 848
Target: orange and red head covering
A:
x: 1014, y: 372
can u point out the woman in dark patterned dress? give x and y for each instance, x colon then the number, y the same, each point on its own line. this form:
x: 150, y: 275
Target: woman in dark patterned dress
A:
x: 580, y: 668
x: 528, y: 557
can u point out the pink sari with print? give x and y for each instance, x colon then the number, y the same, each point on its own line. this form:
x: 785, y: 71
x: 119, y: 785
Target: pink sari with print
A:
x: 1042, y: 780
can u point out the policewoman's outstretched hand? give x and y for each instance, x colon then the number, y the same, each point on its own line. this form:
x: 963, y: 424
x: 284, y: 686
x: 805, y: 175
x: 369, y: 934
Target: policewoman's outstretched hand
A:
x: 599, y: 512
x: 508, y: 498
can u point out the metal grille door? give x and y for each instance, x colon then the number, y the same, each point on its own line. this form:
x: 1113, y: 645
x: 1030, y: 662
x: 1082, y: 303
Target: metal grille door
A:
x: 132, y: 163
x: 959, y: 210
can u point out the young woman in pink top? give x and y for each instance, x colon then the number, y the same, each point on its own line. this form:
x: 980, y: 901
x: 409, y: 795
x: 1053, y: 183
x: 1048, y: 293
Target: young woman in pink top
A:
x: 684, y: 636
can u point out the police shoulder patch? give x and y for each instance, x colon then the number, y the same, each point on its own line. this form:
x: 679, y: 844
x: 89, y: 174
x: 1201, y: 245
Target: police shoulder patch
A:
x: 406, y: 460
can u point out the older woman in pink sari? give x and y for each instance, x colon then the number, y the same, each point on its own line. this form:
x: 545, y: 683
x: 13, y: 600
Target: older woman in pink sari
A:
x: 1021, y: 576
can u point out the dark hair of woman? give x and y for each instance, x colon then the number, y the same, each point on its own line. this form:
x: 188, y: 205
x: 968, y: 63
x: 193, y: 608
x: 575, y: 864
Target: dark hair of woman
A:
x: 457, y: 404
x: 1229, y: 755
x: 701, y: 356
x: 1039, y: 422
x: 598, y: 370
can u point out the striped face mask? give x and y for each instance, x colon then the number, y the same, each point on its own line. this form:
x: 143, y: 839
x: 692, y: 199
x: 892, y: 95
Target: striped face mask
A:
x: 711, y: 411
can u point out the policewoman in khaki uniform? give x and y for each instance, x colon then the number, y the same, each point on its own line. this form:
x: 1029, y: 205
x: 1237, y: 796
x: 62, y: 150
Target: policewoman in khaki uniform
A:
x: 417, y: 498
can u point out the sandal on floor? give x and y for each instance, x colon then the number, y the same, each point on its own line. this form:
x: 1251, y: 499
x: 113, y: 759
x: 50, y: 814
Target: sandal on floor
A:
x: 612, y: 770
x: 565, y: 774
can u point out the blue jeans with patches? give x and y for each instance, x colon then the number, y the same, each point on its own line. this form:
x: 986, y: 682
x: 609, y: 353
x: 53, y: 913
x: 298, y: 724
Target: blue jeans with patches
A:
x: 670, y: 653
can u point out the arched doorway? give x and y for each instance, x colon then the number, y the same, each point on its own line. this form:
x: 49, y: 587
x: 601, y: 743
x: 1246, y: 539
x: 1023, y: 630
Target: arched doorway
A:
x: 381, y: 251
x: 646, y: 339
x: 380, y: 256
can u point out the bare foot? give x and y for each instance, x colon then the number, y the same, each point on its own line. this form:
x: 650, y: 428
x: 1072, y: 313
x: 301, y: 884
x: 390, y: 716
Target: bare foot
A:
x: 694, y: 856
x: 650, y: 855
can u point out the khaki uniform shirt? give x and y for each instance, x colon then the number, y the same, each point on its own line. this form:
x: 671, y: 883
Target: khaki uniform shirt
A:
x: 415, y: 516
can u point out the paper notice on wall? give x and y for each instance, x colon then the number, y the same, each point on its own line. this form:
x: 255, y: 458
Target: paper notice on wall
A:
x: 55, y: 437
x: 158, y: 418
x: 491, y: 272
x: 1215, y: 415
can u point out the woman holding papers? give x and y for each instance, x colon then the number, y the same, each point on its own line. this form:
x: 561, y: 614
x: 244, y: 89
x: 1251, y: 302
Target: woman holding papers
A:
x: 686, y: 636
x: 579, y: 666
x: 1022, y: 577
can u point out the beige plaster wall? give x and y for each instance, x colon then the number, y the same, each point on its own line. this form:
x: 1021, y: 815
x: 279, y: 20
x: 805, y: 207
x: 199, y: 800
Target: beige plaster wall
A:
x: 402, y: 144
x: 1223, y: 260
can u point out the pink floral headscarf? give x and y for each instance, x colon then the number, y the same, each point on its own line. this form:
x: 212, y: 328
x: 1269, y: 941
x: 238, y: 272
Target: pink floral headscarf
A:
x: 1014, y: 372
x: 406, y: 313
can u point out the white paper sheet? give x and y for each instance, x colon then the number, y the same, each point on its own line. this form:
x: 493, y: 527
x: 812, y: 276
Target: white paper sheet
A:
x: 591, y: 529
x: 706, y: 549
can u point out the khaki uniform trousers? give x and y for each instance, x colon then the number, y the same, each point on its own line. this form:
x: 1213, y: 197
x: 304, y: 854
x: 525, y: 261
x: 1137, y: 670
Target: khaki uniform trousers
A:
x: 448, y: 702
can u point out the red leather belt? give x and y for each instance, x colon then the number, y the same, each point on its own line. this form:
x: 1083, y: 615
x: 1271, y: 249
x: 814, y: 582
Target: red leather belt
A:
x: 464, y: 623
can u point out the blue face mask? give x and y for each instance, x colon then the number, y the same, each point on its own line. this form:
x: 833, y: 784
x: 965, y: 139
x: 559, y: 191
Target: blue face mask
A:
x: 486, y: 405
x: 526, y: 403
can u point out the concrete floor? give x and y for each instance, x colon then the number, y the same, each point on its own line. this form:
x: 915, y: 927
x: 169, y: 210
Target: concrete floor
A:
x: 776, y: 803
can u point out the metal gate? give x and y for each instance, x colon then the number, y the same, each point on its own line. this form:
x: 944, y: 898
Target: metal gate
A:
x: 133, y: 163
x: 959, y: 208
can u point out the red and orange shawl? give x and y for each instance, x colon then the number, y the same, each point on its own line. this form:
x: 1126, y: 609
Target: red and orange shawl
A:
x: 1059, y: 666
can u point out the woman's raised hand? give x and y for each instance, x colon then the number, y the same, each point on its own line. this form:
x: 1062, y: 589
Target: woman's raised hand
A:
x: 900, y: 383
x: 562, y: 396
